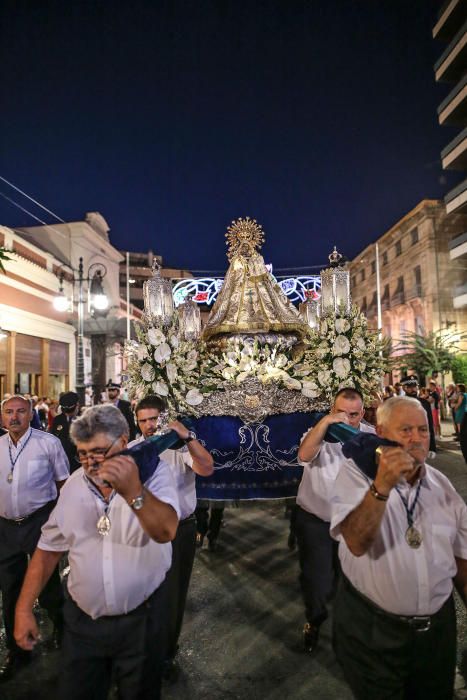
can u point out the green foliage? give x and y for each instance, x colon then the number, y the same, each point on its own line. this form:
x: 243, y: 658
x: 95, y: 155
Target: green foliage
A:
x: 459, y: 369
x: 3, y: 256
x: 424, y: 354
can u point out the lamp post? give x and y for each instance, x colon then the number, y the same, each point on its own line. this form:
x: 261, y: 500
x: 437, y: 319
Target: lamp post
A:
x: 98, y: 305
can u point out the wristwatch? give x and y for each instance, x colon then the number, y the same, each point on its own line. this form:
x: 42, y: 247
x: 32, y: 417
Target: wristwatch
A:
x: 191, y: 436
x: 138, y: 502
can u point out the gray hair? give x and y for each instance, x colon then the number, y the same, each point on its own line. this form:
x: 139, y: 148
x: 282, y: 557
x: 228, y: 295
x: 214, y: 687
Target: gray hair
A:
x: 16, y: 396
x: 107, y: 419
x: 387, y: 408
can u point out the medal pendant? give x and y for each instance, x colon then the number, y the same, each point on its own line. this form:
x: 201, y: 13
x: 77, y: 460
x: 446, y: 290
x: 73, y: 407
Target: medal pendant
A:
x: 413, y: 537
x: 103, y: 525
x: 10, y: 477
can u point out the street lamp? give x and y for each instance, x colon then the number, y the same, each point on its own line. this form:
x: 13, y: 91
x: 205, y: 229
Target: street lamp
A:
x: 61, y: 301
x: 98, y: 305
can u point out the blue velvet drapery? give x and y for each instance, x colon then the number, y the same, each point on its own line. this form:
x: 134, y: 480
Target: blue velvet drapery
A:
x: 255, y: 460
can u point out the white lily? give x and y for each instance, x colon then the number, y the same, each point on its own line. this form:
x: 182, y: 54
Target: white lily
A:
x: 155, y: 336
x: 160, y: 388
x: 162, y: 353
x: 194, y: 397
x: 147, y: 372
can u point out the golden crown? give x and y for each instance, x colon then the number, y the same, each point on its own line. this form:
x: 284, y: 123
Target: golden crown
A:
x: 244, y: 236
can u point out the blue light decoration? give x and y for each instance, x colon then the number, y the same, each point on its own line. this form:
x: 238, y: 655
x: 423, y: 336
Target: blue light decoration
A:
x: 204, y: 290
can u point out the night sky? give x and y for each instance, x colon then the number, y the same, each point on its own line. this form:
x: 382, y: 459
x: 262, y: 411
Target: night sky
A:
x: 171, y: 118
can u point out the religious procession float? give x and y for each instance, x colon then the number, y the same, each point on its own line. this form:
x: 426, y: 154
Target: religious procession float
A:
x: 260, y: 373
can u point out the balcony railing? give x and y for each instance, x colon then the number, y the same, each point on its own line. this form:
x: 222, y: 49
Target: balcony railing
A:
x: 415, y: 292
x: 398, y: 299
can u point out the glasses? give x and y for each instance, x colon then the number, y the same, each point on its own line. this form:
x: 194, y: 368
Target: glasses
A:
x: 97, y: 455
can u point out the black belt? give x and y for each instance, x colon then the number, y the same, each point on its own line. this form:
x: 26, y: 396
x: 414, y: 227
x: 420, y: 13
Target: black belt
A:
x: 27, y: 518
x: 188, y: 519
x: 419, y: 623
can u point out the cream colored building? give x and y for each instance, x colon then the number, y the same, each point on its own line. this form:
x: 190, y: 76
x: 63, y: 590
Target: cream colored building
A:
x: 42, y: 254
x: 140, y: 270
x: 418, y: 278
x: 37, y: 355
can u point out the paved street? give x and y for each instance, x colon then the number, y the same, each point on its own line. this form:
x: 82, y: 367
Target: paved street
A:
x: 241, y: 637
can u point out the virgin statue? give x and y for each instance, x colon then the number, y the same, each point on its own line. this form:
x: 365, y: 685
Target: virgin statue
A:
x: 250, y: 301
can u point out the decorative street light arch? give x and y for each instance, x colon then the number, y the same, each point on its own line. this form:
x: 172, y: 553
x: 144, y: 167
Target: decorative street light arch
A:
x: 204, y: 290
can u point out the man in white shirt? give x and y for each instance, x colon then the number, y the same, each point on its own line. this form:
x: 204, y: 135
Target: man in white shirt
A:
x: 321, y: 461
x: 33, y: 466
x: 185, y: 463
x: 117, y: 532
x: 402, y: 531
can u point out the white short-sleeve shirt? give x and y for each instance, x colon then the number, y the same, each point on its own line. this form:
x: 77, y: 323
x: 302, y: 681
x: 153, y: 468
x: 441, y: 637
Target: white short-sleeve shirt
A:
x: 399, y: 579
x: 109, y: 574
x: 319, y: 476
x: 39, y: 461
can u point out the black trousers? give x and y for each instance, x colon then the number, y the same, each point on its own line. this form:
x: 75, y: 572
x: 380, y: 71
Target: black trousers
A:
x: 209, y: 524
x: 17, y: 543
x: 317, y: 553
x: 178, y: 580
x: 384, y: 658
x: 125, y: 649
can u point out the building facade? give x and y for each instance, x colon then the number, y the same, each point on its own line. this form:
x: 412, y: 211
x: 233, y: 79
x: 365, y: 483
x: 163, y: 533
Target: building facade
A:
x: 64, y: 249
x: 139, y: 267
x: 418, y: 278
x: 37, y: 350
x: 451, y: 69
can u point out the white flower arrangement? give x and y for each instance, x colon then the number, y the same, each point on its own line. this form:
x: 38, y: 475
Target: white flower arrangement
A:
x: 343, y: 352
x: 348, y: 354
x: 165, y: 365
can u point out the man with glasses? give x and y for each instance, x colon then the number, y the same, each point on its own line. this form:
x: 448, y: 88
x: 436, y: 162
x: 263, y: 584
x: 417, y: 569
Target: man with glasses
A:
x: 33, y: 467
x: 117, y: 531
x: 185, y: 463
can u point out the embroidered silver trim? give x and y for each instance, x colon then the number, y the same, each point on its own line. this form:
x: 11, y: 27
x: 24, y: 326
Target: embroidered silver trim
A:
x: 252, y: 401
